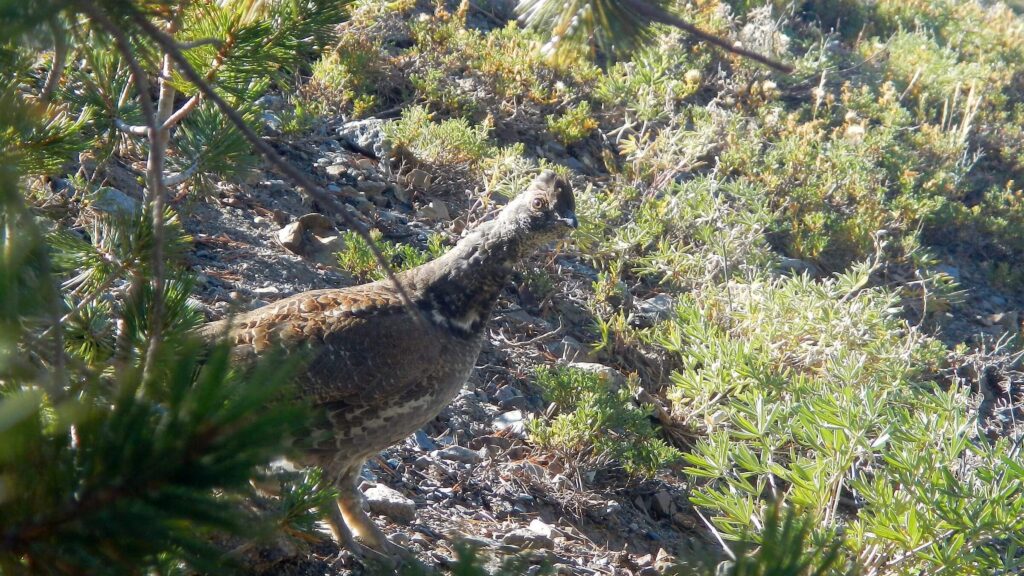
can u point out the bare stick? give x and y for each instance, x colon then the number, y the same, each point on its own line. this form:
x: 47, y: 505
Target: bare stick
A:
x: 179, y: 177
x: 141, y: 81
x: 133, y: 129
x: 293, y: 173
x: 182, y: 112
x: 155, y: 184
x: 60, y: 56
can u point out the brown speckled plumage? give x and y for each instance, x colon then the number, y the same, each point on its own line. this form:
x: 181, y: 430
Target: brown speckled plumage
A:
x: 376, y: 372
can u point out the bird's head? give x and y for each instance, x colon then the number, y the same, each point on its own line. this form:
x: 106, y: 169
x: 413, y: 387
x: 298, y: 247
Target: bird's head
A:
x: 545, y: 211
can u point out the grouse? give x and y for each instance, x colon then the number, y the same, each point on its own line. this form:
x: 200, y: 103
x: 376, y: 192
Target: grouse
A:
x: 376, y: 370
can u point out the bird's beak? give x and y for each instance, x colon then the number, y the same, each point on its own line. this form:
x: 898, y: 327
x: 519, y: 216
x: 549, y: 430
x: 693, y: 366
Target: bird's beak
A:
x: 570, y: 220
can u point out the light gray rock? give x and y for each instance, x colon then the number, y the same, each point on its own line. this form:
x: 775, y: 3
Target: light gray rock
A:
x: 291, y: 237
x: 387, y: 501
x: 651, y: 311
x: 542, y: 528
x: 795, y: 267
x: 523, y: 539
x: 316, y: 223
x: 417, y: 178
x: 610, y: 376
x: 568, y: 349
x: 529, y: 470
x: 459, y: 454
x: 113, y: 202
x: 512, y: 421
x: 436, y: 210
x: 367, y: 136
x: 423, y: 441
x: 662, y: 504
x: 335, y: 171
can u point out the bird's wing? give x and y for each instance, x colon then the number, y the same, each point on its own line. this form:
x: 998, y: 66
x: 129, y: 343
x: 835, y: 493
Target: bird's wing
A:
x: 360, y: 344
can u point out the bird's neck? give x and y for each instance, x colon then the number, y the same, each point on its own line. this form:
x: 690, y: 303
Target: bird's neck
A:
x: 461, y: 287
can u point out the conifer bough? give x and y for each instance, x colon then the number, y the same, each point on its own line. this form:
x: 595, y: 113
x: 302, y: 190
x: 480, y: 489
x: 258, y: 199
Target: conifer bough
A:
x: 623, y: 22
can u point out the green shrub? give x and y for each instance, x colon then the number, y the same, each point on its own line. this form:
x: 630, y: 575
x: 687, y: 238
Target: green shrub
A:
x: 452, y: 142
x: 357, y: 258
x: 601, y: 422
x: 573, y: 125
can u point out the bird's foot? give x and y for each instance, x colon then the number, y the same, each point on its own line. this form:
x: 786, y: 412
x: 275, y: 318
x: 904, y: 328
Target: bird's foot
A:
x: 361, y: 536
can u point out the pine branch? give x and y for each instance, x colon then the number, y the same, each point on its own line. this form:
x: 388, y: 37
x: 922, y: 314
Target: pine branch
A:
x: 167, y: 43
x: 656, y: 14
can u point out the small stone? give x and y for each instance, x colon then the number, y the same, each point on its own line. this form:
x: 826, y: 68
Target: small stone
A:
x: 506, y: 392
x: 291, y: 237
x: 663, y: 560
x: 459, y: 454
x: 263, y: 290
x: 610, y: 376
x: 795, y: 267
x: 436, y: 211
x: 389, y: 502
x: 273, y: 121
x: 662, y: 504
x: 260, y: 221
x: 648, y: 571
x: 274, y: 185
x: 611, y: 508
x: 367, y: 136
x: 568, y: 349
x: 538, y: 526
x: 316, y: 223
x: 531, y: 470
x: 684, y: 521
x: 417, y: 178
x: 527, y: 539
x: 512, y: 421
x: 371, y: 187
x: 400, y: 538
x: 422, y: 463
x: 112, y: 201
x: 424, y: 442
x: 651, y: 311
x: 401, y: 194
x: 336, y: 171
x: 645, y: 560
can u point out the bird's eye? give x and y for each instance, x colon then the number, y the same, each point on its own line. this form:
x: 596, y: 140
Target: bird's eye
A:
x: 539, y: 204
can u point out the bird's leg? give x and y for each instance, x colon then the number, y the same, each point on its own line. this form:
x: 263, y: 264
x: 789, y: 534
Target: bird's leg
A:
x: 350, y: 504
